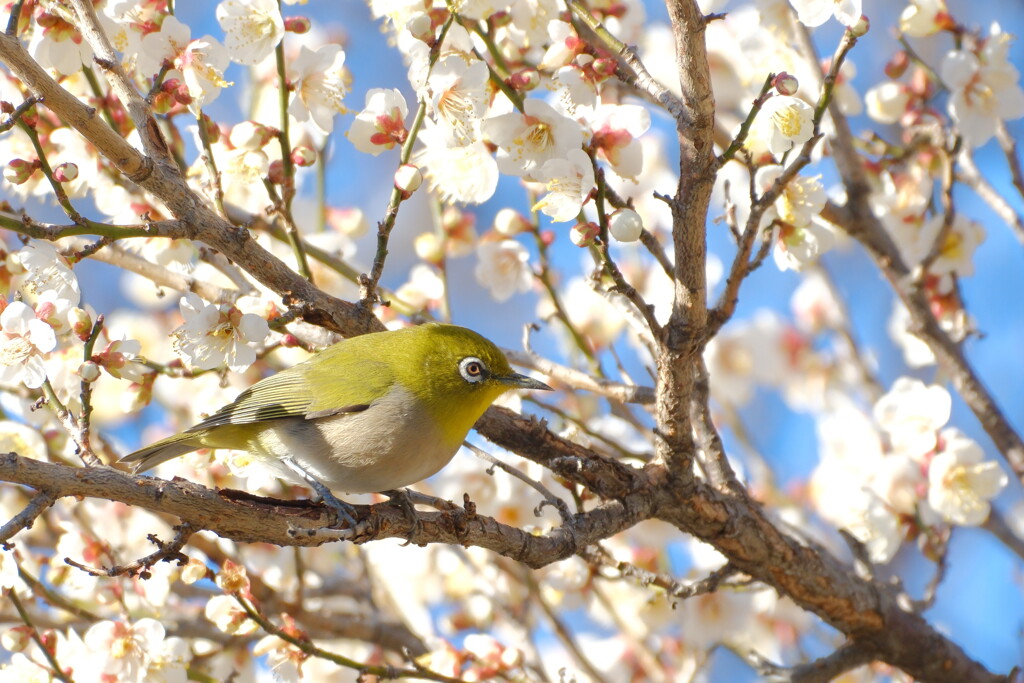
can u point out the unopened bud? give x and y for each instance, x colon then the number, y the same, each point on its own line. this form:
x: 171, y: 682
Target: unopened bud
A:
x: 6, y: 107
x: 897, y: 66
x: 212, y: 129
x: 408, y: 179
x: 16, y: 639
x: 348, y: 221
x: 249, y: 135
x: 429, y: 247
x: 182, y: 95
x: 786, y: 84
x: 303, y: 156
x: 421, y: 27
x: 524, y: 80
x: 860, y: 27
x: 625, y: 225
x: 276, y: 172
x: 193, y: 571
x: 162, y: 102
x: 290, y: 341
x: 80, y: 321
x: 604, y: 67
x: 297, y: 25
x: 65, y: 173
x: 509, y: 222
x: 584, y: 234
x: 18, y: 171
x: 89, y: 371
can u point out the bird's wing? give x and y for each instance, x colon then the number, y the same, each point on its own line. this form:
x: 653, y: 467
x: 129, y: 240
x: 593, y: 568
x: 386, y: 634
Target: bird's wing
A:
x: 330, y: 386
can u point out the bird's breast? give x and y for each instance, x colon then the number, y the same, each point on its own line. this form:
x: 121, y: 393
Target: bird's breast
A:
x: 393, y: 443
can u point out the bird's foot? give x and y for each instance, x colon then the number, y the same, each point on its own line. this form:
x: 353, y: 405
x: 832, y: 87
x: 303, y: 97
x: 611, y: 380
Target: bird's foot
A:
x: 344, y: 511
x: 401, y: 500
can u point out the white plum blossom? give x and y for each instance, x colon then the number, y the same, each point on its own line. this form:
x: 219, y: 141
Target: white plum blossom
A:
x: 201, y: 63
x: 872, y: 523
x: 984, y: 87
x: 252, y: 28
x: 801, y: 236
x: 913, y: 413
x: 458, y: 96
x: 617, y: 130
x: 814, y: 305
x: 23, y: 340
x: 503, y: 268
x: 961, y: 483
x: 816, y: 12
x: 922, y: 18
x: 212, y: 336
x: 956, y: 249
x: 47, y: 273
x: 783, y: 123
x: 60, y: 46
x: 887, y: 102
x: 321, y: 81
x: 569, y: 182
x: 466, y: 174
x: 526, y: 141
x: 123, y: 651
x: 381, y: 124
x: 228, y: 616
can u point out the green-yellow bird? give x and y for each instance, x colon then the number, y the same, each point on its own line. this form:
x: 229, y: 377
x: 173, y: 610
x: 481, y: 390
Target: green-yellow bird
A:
x: 372, y: 413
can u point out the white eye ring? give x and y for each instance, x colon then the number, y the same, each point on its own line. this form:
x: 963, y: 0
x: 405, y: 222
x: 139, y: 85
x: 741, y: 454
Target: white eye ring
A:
x: 473, y: 369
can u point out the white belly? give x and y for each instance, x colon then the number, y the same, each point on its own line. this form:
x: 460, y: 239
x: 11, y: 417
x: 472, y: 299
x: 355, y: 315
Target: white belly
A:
x: 391, y: 444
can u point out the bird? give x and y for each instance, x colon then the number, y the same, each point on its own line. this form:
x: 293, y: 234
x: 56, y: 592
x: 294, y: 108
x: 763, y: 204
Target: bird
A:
x: 372, y: 413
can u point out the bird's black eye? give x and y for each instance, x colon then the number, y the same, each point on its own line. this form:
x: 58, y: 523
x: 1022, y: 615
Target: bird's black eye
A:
x: 472, y: 369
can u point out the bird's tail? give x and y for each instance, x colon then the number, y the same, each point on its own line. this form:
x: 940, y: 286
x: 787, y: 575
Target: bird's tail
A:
x: 162, y: 451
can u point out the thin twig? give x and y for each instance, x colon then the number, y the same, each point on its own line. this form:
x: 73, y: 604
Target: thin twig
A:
x: 549, y: 498
x: 39, y: 504
x: 167, y: 552
x: 306, y: 646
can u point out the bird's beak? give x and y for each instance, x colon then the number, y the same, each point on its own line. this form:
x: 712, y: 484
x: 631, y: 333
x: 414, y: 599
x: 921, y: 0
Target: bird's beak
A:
x: 517, y: 381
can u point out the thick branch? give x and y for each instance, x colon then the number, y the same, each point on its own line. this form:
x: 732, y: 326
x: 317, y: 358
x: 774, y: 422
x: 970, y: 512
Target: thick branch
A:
x: 164, y: 182
x: 246, y: 518
x: 868, y: 612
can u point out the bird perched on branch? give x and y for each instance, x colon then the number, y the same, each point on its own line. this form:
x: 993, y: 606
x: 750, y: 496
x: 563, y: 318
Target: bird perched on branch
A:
x: 372, y: 413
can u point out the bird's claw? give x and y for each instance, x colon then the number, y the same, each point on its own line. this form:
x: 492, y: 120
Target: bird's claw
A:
x: 400, y: 498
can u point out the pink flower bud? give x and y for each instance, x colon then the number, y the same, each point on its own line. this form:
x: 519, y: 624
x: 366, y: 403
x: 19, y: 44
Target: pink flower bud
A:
x: 303, y: 156
x: 212, y: 129
x: 89, y: 371
x: 408, y: 179
x: 18, y: 171
x: 65, y: 173
x: 604, y: 67
x: 250, y: 135
x: 786, y: 84
x: 897, y: 66
x: 509, y: 223
x: 276, y: 172
x: 524, y: 80
x: 584, y: 234
x: 182, y: 95
x: 348, y: 221
x: 81, y: 322
x: 16, y: 639
x: 861, y: 27
x: 297, y: 25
